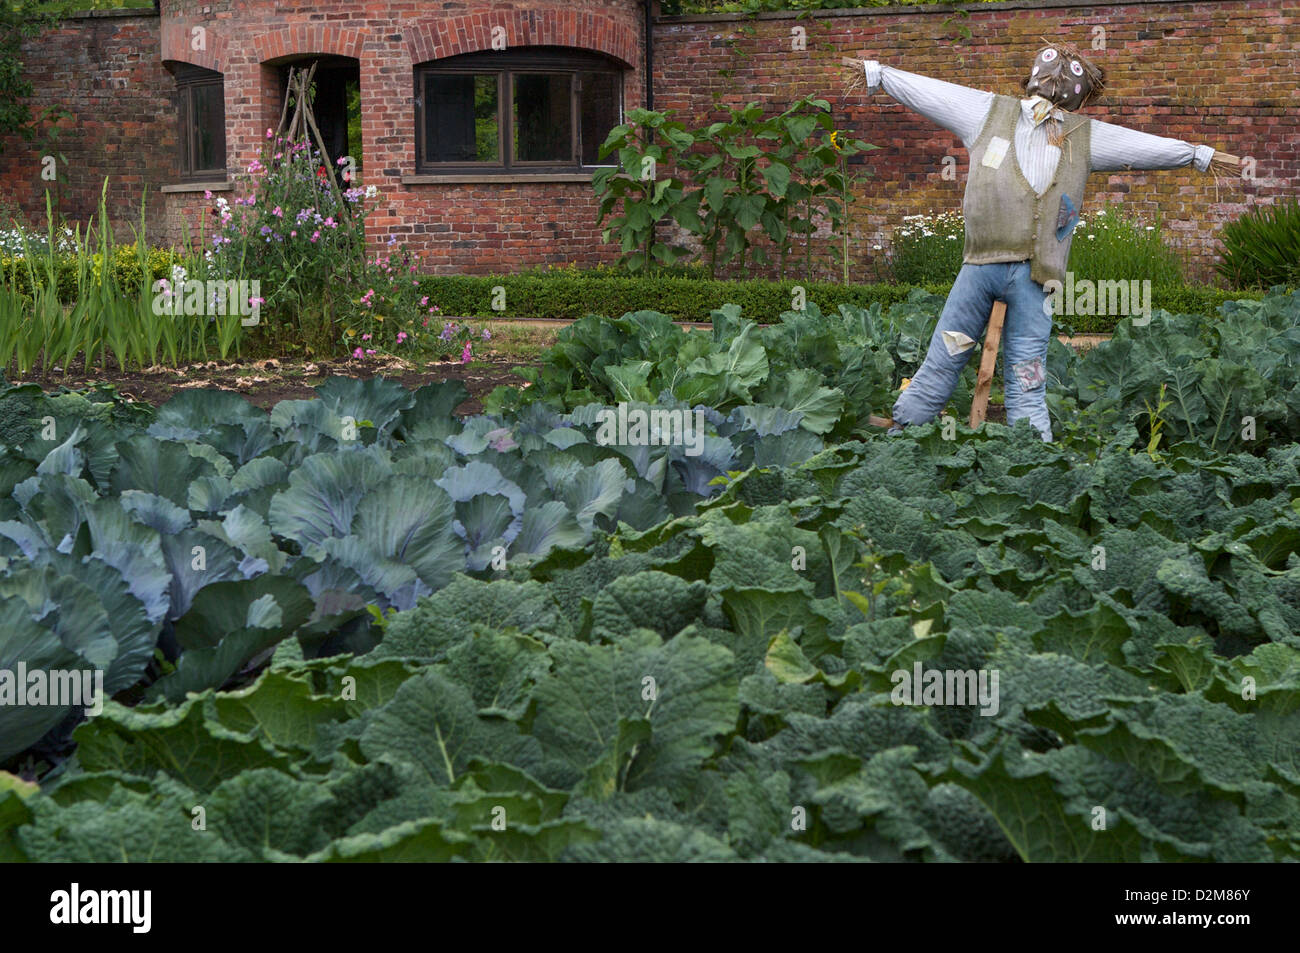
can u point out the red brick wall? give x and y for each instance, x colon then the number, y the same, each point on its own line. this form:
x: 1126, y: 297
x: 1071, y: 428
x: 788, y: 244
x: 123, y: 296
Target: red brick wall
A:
x: 1222, y: 73
x: 474, y: 228
x: 1219, y: 73
x: 106, y: 70
x: 109, y: 71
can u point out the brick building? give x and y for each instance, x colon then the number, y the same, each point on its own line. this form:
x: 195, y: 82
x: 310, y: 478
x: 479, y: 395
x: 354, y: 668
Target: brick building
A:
x: 478, y: 119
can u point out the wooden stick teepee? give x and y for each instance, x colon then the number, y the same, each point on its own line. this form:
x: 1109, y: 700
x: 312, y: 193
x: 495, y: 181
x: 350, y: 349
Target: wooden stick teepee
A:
x: 301, y: 126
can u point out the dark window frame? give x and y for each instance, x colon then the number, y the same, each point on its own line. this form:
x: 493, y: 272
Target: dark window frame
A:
x: 190, y: 80
x: 504, y: 65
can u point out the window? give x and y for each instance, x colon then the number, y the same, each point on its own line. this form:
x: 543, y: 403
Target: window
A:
x: 540, y: 110
x: 201, y: 107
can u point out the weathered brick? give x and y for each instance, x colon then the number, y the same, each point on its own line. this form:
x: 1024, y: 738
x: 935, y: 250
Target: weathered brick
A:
x: 1221, y: 73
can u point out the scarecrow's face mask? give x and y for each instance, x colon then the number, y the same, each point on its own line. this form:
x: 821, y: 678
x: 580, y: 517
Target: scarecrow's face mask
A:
x: 1059, y: 78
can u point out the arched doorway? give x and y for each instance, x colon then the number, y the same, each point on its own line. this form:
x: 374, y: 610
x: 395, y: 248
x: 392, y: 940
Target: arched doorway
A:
x: 336, y: 105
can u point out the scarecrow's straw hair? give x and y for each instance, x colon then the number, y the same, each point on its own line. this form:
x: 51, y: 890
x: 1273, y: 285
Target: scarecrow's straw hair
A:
x: 1096, y: 75
x: 853, y: 77
x: 1226, y: 170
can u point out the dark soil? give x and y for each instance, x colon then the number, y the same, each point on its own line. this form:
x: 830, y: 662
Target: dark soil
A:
x: 266, y: 382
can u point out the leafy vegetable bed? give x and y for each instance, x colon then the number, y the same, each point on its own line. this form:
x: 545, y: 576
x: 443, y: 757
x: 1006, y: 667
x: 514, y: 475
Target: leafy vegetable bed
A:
x: 684, y: 656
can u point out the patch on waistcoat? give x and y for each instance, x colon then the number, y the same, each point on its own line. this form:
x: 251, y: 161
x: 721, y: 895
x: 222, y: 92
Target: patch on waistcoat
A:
x: 1031, y: 373
x: 1067, y: 216
x: 956, y: 342
x: 996, y: 152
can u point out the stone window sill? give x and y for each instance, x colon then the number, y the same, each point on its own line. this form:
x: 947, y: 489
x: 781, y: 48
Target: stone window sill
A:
x: 199, y: 187
x: 489, y: 178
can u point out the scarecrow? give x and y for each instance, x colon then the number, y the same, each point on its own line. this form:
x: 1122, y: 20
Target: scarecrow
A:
x: 1029, y: 161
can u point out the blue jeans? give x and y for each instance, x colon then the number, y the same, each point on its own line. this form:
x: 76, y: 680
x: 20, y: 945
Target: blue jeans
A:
x: 1025, y: 334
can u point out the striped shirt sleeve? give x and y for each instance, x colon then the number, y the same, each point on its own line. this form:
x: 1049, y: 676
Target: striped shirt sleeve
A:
x: 1116, y: 148
x: 959, y: 109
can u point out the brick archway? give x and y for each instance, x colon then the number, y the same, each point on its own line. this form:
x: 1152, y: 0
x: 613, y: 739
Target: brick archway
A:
x: 437, y: 37
x: 315, y: 39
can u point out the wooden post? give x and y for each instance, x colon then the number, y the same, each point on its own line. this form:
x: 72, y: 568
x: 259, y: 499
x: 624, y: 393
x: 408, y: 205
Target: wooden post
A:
x: 979, y: 404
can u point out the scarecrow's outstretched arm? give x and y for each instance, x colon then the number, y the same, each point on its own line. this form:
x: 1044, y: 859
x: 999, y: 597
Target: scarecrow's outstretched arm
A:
x: 959, y: 109
x: 1116, y: 148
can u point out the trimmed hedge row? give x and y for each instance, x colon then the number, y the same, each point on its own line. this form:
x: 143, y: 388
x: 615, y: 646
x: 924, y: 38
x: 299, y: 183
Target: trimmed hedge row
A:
x: 569, y: 294
x: 692, y: 299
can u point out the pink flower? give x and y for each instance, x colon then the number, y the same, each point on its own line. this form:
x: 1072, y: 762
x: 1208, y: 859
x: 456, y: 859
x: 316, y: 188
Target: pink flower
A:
x: 365, y: 337
x: 370, y: 352
x: 270, y: 133
x: 277, y: 212
x: 357, y: 354
x: 424, y: 301
x: 466, y: 354
x: 207, y: 194
x: 315, y: 235
x: 294, y: 233
x: 401, y: 336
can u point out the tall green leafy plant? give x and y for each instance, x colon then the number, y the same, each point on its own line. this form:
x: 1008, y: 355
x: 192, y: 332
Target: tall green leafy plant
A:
x: 746, y: 178
x: 636, y: 195
x: 738, y: 192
